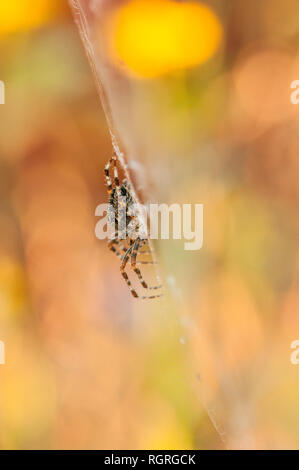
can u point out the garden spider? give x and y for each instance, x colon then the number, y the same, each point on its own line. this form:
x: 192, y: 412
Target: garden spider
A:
x: 117, y: 190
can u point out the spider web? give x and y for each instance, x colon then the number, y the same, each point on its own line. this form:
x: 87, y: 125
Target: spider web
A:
x: 85, y: 32
x: 85, y: 12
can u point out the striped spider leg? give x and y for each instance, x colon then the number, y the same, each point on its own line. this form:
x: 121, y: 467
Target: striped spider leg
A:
x: 132, y: 253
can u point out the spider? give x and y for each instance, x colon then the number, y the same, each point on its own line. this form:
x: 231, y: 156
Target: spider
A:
x: 117, y: 190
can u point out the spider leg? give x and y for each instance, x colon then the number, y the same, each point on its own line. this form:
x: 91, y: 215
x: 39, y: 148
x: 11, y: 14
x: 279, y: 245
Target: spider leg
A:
x: 144, y: 297
x: 118, y: 253
x: 111, y: 162
x: 123, y: 248
x: 115, y: 241
x: 125, y: 259
x: 137, y: 271
x: 146, y: 251
x: 146, y: 262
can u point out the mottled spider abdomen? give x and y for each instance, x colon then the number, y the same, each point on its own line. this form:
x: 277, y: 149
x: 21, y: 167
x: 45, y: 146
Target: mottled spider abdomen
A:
x: 120, y: 209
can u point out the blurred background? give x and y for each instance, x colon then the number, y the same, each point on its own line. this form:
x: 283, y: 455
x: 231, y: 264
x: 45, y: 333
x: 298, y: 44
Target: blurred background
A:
x: 199, y: 96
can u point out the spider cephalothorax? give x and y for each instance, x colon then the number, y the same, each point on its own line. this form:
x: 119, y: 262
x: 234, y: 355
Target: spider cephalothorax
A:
x: 121, y: 212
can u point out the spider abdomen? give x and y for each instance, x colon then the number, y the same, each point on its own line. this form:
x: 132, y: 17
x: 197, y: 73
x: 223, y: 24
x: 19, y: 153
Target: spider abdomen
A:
x: 120, y: 208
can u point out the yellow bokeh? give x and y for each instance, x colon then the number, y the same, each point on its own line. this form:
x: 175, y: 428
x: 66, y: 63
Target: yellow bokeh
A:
x: 153, y: 37
x: 164, y: 431
x: 12, y: 288
x: 23, y: 15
